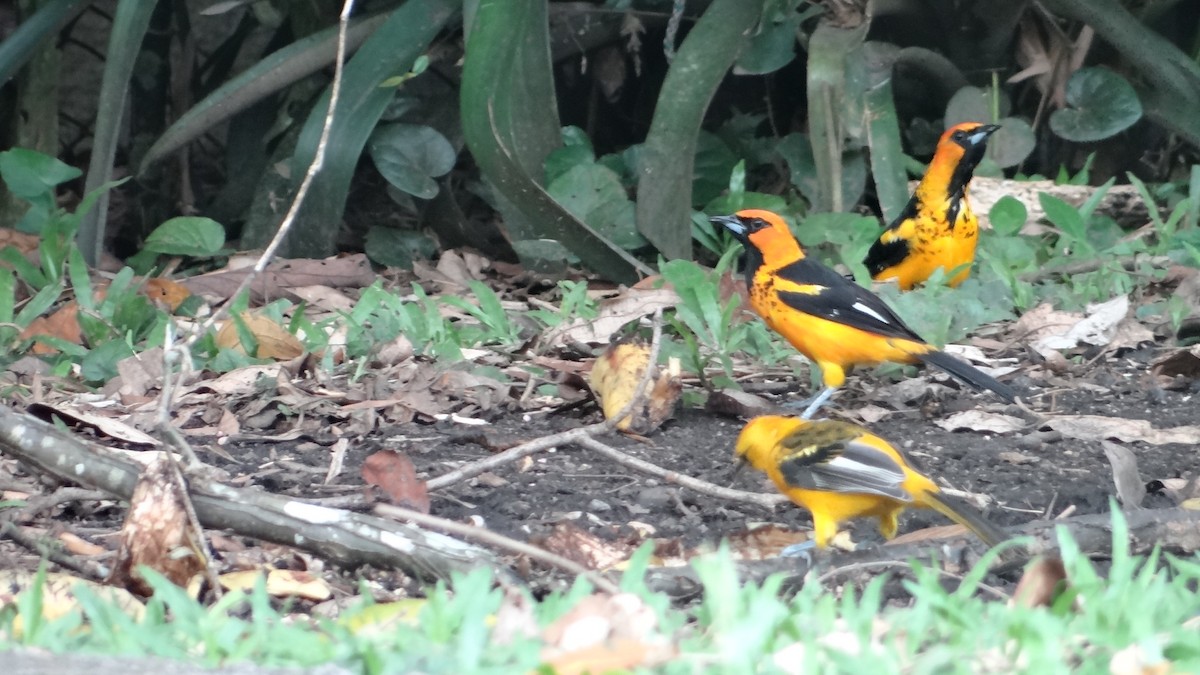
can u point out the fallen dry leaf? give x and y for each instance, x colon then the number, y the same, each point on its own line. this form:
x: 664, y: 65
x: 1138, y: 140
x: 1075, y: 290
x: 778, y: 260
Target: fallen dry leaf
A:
x: 978, y: 420
x: 393, y: 473
x: 104, y: 426
x: 1179, y: 363
x: 58, y: 595
x: 929, y: 534
x: 1099, y: 428
x: 62, y: 324
x: 157, y: 533
x: 1133, y: 660
x: 1018, y: 458
x: 166, y: 292
x: 613, y: 313
x: 280, y: 583
x: 1044, y: 580
x: 583, y: 547
x: 282, y: 275
x: 605, y: 633
x: 764, y: 541
x: 614, y: 380
x: 737, y: 403
x: 1131, y: 490
x: 1106, y: 324
x: 274, y: 340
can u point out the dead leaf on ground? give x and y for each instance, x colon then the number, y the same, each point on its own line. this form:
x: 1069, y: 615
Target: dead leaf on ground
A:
x: 280, y: 583
x: 58, y: 594
x: 615, y: 377
x: 137, y: 375
x: 737, y: 403
x: 764, y: 541
x: 605, y: 633
x: 22, y: 241
x: 978, y: 420
x: 393, y: 473
x: 351, y: 271
x: 1134, y: 660
x: 631, y: 304
x: 325, y: 297
x: 1179, y: 363
x: 157, y: 533
x: 1100, y: 428
x: 274, y: 340
x: 102, y: 425
x: 62, y: 324
x: 929, y: 534
x: 1017, y: 458
x: 583, y: 547
x: 166, y: 292
x: 1044, y: 580
x: 1131, y: 490
x: 1106, y: 324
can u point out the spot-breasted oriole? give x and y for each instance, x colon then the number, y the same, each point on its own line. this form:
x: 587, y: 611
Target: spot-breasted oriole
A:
x: 937, y: 228
x: 840, y: 471
x: 833, y: 321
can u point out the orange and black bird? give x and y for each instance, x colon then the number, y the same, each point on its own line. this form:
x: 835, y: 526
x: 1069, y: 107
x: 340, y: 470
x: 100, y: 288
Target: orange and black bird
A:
x: 937, y: 228
x: 840, y: 471
x: 833, y: 321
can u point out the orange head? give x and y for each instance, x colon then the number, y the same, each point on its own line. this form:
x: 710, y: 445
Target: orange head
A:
x: 959, y: 151
x: 765, y: 235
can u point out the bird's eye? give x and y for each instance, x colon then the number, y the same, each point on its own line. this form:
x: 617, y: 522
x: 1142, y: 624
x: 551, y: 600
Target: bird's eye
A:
x: 959, y: 135
x: 757, y: 224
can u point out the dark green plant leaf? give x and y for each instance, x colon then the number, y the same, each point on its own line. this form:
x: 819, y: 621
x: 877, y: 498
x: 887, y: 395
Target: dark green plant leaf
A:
x: 130, y: 22
x: 836, y: 70
x: 187, y: 235
x: 410, y: 156
x: 713, y: 164
x: 975, y: 104
x: 594, y: 194
x: 883, y: 130
x: 276, y: 71
x: 1011, y: 143
x: 773, y: 48
x: 1008, y: 216
x: 510, y: 123
x: 391, y: 49
x: 32, y: 176
x: 398, y: 248
x: 797, y: 152
x: 1102, y: 104
x: 666, y: 166
x: 33, y: 30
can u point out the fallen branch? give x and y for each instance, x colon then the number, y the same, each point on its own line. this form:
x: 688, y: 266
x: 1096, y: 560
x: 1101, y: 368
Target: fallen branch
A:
x: 767, y: 501
x: 342, y: 537
x: 1173, y: 530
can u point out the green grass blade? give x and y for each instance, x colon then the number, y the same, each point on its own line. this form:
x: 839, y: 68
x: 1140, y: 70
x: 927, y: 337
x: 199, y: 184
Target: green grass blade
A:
x: 665, y: 184
x: 883, y: 132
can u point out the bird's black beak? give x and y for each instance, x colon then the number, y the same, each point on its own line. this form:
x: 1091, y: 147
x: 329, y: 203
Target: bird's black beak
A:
x: 731, y: 223
x: 980, y: 135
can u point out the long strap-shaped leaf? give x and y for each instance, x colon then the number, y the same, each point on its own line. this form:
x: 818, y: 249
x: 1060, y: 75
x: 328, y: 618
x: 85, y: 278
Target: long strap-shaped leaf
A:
x: 279, y: 69
x: 510, y: 124
x: 665, y: 184
x: 43, y: 24
x: 130, y: 22
x: 391, y: 50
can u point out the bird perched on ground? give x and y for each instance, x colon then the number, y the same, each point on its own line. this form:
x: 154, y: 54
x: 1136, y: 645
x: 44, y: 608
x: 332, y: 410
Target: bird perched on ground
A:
x: 840, y: 471
x: 936, y: 228
x: 833, y: 321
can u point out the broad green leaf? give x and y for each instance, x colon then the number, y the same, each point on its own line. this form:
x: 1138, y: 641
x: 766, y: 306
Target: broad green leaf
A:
x: 391, y: 49
x: 976, y: 104
x: 398, y: 248
x: 665, y: 181
x: 510, y: 123
x: 410, y: 156
x: 1011, y: 143
x: 100, y: 363
x: 187, y: 235
x: 32, y: 176
x: 883, y: 131
x: 802, y: 167
x: 1008, y: 216
x: 712, y: 167
x: 771, y: 49
x: 594, y: 194
x: 833, y: 53
x: 1101, y: 104
x: 130, y: 22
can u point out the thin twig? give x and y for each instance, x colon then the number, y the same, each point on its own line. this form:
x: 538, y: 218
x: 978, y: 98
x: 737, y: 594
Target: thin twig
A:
x: 767, y: 501
x: 514, y: 453
x: 488, y: 537
x: 852, y: 567
x: 49, y: 549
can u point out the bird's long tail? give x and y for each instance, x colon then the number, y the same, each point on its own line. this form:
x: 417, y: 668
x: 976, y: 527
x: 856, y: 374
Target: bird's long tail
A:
x: 964, y: 514
x: 967, y: 373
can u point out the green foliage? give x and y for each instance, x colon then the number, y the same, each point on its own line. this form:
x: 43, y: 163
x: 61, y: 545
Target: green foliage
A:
x: 410, y: 156
x: 1013, y: 141
x: 1102, y: 104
